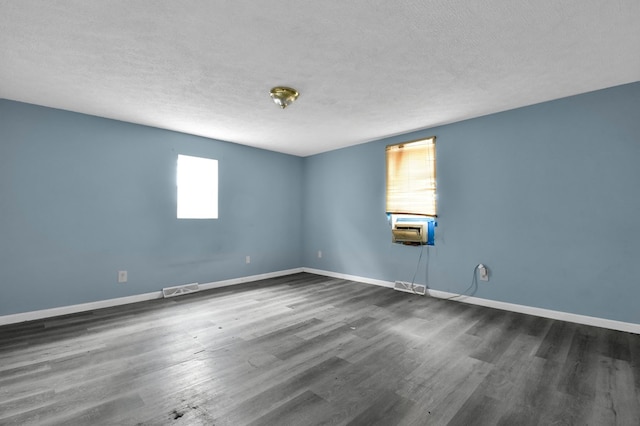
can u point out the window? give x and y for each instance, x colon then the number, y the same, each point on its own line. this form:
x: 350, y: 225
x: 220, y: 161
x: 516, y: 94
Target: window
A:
x: 197, y: 181
x: 411, y: 177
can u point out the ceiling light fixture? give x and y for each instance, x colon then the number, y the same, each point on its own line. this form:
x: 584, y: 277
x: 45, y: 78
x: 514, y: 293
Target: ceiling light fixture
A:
x: 283, y: 96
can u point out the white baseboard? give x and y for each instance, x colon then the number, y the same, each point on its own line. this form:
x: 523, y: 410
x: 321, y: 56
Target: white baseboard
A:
x: 234, y: 281
x: 365, y: 280
x: 546, y: 313
x: 83, y: 307
x: 523, y: 309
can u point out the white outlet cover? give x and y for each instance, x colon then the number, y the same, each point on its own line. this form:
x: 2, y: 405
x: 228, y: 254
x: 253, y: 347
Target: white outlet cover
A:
x: 247, y: 259
x: 484, y: 273
x: 122, y: 276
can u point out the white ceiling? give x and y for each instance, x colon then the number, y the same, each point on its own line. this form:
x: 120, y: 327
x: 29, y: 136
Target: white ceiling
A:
x: 365, y: 69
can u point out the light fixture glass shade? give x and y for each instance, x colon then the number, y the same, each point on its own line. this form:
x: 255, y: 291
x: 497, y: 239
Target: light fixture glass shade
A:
x: 283, y: 96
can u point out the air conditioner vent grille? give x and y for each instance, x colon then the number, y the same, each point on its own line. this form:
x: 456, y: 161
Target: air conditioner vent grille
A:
x: 180, y: 289
x: 420, y: 289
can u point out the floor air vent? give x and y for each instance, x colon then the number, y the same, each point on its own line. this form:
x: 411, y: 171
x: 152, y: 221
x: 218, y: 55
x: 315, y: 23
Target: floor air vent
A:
x: 180, y: 289
x: 420, y: 289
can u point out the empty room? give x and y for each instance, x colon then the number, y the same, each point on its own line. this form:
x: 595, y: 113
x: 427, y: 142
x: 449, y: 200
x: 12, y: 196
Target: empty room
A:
x: 320, y: 213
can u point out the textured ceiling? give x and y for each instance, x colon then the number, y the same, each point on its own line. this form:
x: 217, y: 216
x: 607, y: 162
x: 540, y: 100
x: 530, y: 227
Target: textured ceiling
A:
x: 364, y: 69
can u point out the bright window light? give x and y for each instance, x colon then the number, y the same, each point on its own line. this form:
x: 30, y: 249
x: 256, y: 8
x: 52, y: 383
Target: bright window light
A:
x: 411, y: 177
x: 197, y: 181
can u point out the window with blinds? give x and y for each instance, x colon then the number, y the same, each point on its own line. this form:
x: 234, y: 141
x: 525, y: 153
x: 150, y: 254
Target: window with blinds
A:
x: 411, y: 177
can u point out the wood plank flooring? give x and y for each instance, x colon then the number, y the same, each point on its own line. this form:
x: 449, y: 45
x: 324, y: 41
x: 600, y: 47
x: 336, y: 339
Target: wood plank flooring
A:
x: 310, y: 350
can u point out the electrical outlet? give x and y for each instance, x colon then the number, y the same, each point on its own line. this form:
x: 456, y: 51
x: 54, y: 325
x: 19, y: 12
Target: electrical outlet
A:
x: 319, y: 254
x: 247, y: 260
x: 122, y: 276
x: 484, y: 272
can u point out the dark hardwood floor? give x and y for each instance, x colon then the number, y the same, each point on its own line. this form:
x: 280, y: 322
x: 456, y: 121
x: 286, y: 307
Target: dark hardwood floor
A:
x: 310, y: 350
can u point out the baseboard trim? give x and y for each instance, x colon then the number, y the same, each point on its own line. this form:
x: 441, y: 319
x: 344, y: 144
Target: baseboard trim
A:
x: 83, y: 307
x: 505, y: 306
x: 540, y: 312
x: 365, y: 280
x: 235, y: 281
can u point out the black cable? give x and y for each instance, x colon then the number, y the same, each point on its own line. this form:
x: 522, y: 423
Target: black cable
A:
x: 413, y: 280
x: 473, y: 285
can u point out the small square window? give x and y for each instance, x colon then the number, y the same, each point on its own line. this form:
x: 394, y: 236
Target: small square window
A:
x: 197, y: 181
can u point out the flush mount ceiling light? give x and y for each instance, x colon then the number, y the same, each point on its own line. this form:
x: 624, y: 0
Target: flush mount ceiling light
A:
x: 283, y: 96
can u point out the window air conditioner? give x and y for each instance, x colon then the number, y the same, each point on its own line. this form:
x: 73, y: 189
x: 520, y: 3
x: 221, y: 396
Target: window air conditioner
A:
x: 409, y: 233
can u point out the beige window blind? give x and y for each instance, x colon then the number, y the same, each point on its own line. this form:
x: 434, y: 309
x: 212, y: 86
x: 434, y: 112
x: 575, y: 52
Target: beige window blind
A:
x: 411, y: 177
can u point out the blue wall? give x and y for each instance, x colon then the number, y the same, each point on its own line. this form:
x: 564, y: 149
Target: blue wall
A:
x: 82, y: 197
x: 547, y: 196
